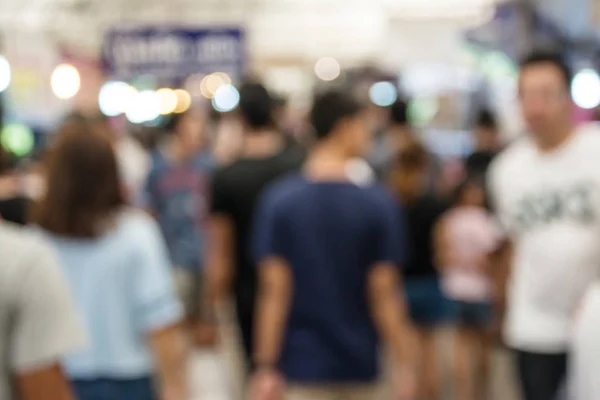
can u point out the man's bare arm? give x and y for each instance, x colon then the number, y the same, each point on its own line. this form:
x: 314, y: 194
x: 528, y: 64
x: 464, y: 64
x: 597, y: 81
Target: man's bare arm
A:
x: 274, y: 296
x: 170, y: 351
x: 390, y: 314
x: 219, y: 262
x: 43, y: 384
x: 500, y: 262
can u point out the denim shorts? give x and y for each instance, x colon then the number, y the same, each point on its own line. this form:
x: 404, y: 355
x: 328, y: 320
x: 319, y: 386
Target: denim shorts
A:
x: 472, y: 315
x: 114, y: 389
x: 427, y: 304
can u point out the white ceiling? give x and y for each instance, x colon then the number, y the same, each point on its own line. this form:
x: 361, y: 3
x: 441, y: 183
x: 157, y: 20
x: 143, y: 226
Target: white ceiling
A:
x: 352, y: 29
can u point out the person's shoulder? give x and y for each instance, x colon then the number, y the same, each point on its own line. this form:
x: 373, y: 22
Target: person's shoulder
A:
x: 377, y: 196
x: 512, y: 156
x: 135, y: 218
x: 17, y: 240
x: 284, y: 189
x: 228, y: 174
x: 588, y: 138
x: 23, y: 248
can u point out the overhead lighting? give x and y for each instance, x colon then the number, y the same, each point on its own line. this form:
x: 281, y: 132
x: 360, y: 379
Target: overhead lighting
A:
x: 65, y: 81
x: 5, y: 73
x: 168, y: 100
x: 585, y: 89
x: 440, y: 9
x: 327, y: 68
x: 383, y: 94
x: 18, y: 139
x: 212, y: 82
x: 184, y: 101
x: 144, y: 107
x: 226, y: 98
x: 114, y: 97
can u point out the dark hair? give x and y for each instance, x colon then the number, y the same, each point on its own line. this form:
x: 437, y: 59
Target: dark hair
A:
x: 256, y: 106
x: 329, y: 108
x: 399, y: 113
x: 485, y: 119
x: 174, y: 120
x: 552, y: 58
x: 468, y: 182
x: 413, y: 157
x: 83, y: 187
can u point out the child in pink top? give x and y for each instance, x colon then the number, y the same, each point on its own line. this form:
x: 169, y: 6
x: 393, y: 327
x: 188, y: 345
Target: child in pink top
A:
x: 465, y: 238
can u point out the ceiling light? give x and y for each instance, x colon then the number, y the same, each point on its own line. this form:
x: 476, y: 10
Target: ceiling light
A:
x: 18, y: 139
x: 168, y: 100
x: 114, y: 97
x: 383, y: 94
x: 585, y: 89
x: 327, y: 68
x: 145, y: 106
x: 65, y: 81
x: 226, y: 98
x: 5, y: 73
x: 184, y: 101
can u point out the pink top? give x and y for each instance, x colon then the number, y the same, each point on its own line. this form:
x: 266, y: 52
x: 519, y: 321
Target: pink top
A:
x: 472, y: 235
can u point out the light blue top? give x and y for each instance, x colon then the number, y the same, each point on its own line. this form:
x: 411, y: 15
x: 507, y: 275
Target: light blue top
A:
x: 123, y: 288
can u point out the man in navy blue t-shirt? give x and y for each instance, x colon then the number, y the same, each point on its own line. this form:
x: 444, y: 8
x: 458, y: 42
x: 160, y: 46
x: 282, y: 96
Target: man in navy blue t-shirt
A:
x: 328, y: 248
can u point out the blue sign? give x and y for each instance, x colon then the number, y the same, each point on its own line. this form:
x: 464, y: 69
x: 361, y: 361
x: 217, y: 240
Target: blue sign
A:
x: 174, y: 53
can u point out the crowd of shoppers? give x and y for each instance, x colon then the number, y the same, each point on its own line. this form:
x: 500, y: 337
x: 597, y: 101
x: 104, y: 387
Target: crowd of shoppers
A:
x: 334, y: 266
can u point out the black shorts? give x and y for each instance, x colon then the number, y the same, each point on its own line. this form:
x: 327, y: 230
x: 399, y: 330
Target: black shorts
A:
x: 542, y: 376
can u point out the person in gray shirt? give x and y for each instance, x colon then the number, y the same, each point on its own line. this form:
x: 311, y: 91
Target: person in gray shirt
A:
x: 38, y: 320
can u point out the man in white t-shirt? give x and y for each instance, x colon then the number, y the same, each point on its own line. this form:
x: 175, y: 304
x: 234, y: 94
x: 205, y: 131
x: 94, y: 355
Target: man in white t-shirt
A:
x: 545, y: 188
x: 38, y: 320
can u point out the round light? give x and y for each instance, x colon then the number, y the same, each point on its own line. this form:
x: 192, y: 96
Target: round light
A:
x: 65, y: 81
x: 226, y: 79
x: 17, y: 139
x: 115, y: 97
x: 184, y: 101
x: 327, y: 68
x: 383, y: 94
x: 212, y: 82
x: 145, y: 106
x: 5, y: 74
x: 168, y: 100
x: 422, y: 110
x: 226, y: 98
x: 585, y: 89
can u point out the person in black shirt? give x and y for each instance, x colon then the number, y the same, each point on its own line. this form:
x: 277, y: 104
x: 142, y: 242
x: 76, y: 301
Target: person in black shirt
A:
x: 14, y: 204
x: 427, y: 305
x: 236, y: 188
x: 487, y: 145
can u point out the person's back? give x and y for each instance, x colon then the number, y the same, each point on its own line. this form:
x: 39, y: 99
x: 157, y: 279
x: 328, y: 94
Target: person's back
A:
x: 38, y: 321
x: 236, y: 188
x: 329, y: 236
x: 118, y: 269
x: 327, y: 244
x: 121, y: 283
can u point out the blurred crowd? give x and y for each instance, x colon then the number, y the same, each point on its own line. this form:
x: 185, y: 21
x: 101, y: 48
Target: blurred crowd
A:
x: 343, y: 252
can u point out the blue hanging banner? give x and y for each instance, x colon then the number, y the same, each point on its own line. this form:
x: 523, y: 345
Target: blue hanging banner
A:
x: 174, y: 53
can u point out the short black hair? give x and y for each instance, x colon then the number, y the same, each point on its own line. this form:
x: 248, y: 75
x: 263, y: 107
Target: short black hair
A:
x: 174, y: 120
x: 256, y: 106
x: 472, y: 180
x: 329, y: 108
x: 485, y: 119
x: 549, y: 57
x: 399, y: 113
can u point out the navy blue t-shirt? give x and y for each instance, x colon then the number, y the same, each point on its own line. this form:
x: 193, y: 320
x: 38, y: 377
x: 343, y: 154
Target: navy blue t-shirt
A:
x: 330, y: 234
